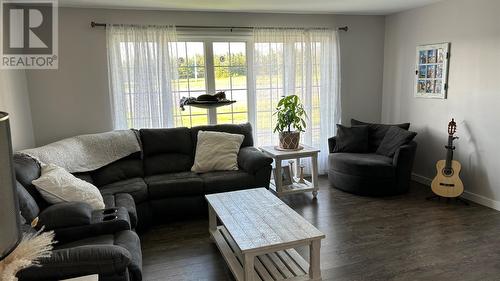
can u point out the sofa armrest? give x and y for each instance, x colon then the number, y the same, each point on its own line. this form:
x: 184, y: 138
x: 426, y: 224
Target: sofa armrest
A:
x: 251, y: 159
x: 101, y: 224
x: 76, y: 220
x: 65, y: 215
x: 331, y: 144
x: 403, y: 162
x: 106, y: 260
x: 404, y: 155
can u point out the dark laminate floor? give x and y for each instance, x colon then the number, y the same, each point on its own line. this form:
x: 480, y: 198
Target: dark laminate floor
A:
x: 396, y: 238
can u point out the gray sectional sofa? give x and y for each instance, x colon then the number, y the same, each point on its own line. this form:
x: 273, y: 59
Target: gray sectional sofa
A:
x: 152, y: 186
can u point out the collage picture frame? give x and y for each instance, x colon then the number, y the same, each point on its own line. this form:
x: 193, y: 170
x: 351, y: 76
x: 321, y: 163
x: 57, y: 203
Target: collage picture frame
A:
x: 431, y: 73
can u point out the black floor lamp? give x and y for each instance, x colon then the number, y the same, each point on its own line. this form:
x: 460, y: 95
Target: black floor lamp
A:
x: 10, y: 228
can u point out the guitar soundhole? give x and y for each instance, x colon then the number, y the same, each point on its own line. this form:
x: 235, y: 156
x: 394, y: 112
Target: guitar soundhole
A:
x: 448, y: 172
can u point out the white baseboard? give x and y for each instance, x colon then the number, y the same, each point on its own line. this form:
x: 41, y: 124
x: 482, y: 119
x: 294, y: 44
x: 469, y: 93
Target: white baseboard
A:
x: 421, y: 179
x: 476, y: 198
x: 482, y: 200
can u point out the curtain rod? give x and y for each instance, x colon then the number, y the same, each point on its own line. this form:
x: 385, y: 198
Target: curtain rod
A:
x: 343, y: 28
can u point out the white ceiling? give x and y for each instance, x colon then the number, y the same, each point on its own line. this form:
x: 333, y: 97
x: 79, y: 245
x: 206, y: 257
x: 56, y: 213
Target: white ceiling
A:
x: 372, y: 7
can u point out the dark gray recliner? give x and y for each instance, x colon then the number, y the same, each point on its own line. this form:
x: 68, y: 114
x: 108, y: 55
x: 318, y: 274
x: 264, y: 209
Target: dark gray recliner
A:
x: 372, y: 174
x: 86, y: 243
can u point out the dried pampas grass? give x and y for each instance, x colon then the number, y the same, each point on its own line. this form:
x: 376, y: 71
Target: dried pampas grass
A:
x: 32, y: 247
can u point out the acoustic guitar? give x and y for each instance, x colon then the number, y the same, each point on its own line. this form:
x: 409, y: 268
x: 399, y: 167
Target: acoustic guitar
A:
x: 447, y: 182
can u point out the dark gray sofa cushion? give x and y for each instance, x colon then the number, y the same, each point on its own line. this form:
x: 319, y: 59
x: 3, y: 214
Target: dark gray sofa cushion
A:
x: 223, y: 181
x: 174, y: 185
x: 352, y: 139
x: 377, y: 132
x: 125, y: 168
x: 362, y: 164
x: 135, y: 187
x: 167, y: 150
x: 167, y: 163
x: 169, y: 140
x: 183, y: 207
x: 393, y: 140
x: 241, y: 129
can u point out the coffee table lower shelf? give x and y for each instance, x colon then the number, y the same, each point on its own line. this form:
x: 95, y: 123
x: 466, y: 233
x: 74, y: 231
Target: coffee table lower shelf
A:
x: 282, y: 265
x: 295, y: 187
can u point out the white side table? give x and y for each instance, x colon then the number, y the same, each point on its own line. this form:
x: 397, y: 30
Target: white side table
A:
x: 279, y: 155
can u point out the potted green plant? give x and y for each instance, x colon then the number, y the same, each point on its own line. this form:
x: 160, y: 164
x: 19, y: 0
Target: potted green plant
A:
x: 290, y: 115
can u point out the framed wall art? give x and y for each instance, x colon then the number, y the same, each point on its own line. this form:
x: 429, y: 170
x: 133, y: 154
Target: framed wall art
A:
x: 431, y: 73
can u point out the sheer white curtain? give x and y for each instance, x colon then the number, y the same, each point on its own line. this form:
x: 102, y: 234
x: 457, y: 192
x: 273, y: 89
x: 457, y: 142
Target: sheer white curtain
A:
x: 302, y: 62
x: 141, y: 69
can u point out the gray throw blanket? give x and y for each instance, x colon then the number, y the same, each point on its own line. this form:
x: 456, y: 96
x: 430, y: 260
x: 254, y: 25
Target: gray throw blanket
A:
x: 87, y: 152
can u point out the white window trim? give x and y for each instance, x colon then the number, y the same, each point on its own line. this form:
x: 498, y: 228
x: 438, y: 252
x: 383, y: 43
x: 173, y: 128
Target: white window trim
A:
x: 194, y: 36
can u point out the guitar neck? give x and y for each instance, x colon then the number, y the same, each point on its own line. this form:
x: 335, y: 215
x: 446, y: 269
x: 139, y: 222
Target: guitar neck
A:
x: 449, y: 152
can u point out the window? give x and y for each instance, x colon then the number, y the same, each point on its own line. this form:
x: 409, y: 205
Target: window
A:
x: 191, y: 82
x: 211, y: 66
x: 275, y: 76
x: 230, y: 71
x: 151, y: 69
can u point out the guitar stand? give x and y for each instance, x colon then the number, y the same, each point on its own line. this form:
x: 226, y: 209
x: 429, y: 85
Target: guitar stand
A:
x: 459, y: 199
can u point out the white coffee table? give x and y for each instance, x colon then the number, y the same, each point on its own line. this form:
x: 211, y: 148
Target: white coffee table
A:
x: 258, y: 235
x: 280, y: 155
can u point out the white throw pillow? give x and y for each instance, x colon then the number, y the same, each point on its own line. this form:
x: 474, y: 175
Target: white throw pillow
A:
x: 216, y: 151
x: 56, y: 185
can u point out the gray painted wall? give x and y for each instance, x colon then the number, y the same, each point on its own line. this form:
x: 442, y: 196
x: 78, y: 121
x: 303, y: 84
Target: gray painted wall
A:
x: 14, y: 99
x: 473, y: 28
x: 74, y: 99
